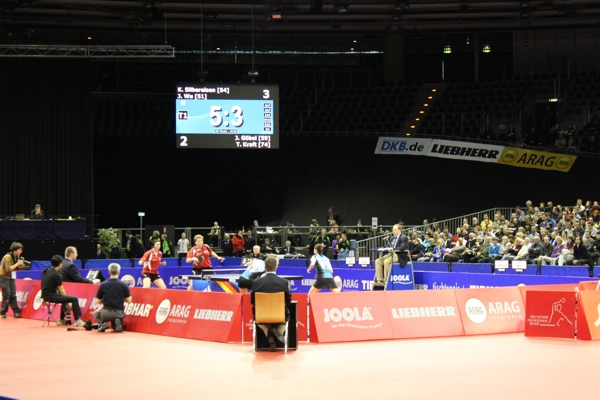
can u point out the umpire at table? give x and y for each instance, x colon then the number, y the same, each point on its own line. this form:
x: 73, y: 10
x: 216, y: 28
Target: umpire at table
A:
x: 113, y: 293
x: 271, y: 283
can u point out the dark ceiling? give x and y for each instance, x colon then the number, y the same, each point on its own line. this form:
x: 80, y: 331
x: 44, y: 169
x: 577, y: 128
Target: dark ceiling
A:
x: 288, y: 24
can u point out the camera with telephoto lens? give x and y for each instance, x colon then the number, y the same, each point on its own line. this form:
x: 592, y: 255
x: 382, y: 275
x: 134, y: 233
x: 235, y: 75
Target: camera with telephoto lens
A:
x: 24, y: 261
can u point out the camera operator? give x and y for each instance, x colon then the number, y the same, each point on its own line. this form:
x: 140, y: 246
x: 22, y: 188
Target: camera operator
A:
x: 10, y: 263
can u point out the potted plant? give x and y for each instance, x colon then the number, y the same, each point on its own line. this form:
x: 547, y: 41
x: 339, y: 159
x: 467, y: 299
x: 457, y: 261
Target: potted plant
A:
x: 109, y: 240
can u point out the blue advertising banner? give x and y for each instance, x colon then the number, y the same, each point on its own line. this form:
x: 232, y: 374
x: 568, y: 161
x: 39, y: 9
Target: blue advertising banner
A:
x: 401, y: 278
x: 354, y: 279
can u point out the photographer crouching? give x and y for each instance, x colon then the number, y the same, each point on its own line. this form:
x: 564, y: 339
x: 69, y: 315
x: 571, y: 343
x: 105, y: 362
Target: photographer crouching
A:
x: 11, y: 262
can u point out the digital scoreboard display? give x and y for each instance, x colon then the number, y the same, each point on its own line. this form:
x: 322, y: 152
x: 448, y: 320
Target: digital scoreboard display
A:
x: 227, y: 116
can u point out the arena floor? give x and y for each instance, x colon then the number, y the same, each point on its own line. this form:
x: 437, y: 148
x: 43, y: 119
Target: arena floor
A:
x: 51, y: 362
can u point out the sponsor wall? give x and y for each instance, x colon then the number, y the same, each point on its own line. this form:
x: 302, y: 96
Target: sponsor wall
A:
x: 350, y: 316
x: 514, y: 156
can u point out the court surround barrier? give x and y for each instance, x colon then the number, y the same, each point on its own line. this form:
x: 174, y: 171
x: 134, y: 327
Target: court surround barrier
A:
x: 341, y: 317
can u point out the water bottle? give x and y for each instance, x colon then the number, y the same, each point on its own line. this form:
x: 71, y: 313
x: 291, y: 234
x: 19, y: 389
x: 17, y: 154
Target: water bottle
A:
x: 68, y: 318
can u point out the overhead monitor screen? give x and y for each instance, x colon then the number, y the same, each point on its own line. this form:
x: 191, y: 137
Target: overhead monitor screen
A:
x: 222, y: 116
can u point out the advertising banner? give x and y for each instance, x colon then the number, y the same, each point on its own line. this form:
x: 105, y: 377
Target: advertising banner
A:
x: 349, y: 317
x: 85, y: 293
x: 401, y: 278
x: 141, y: 310
x: 173, y: 313
x: 550, y: 314
x: 526, y: 158
x: 405, y: 146
x: 418, y: 313
x: 457, y: 280
x: 588, y: 315
x: 216, y: 317
x: 496, y: 310
x: 29, y: 298
x: 569, y: 287
x: 465, y: 151
x: 513, y: 156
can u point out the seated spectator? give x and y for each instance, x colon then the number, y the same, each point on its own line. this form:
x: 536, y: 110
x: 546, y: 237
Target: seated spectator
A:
x: 456, y: 252
x: 267, y: 248
x: 473, y: 250
x: 556, y: 252
x: 595, y: 249
x: 416, y: 249
x: 493, y: 250
x: 580, y: 255
x: 535, y: 251
x: 560, y: 142
x: 438, y: 251
x: 523, y: 253
x: 546, y: 249
x: 505, y: 249
x: 455, y: 237
x: 483, y: 251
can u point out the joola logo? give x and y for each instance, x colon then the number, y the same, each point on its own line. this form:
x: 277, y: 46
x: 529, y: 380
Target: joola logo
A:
x: 401, y: 278
x: 347, y: 314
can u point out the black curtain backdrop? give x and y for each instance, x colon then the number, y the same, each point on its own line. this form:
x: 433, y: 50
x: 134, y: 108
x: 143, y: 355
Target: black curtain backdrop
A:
x: 305, y: 177
x: 50, y: 156
x: 45, y: 137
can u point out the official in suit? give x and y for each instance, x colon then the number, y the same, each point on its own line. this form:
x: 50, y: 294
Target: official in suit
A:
x: 133, y: 247
x: 99, y: 252
x: 288, y: 249
x: 69, y: 271
x: 396, y: 253
x: 227, y: 246
x: 271, y: 283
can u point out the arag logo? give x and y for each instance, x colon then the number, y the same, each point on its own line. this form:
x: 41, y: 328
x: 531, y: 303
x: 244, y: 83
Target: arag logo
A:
x: 163, y: 310
x: 564, y: 163
x: 37, y: 301
x: 129, y: 280
x: 509, y: 156
x: 476, y: 311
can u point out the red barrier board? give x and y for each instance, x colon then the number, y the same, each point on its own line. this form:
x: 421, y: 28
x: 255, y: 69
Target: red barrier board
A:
x: 85, y: 293
x: 141, y: 310
x: 550, y: 314
x: 216, y: 317
x: 173, y: 313
x: 493, y: 310
x: 348, y: 317
x: 589, y: 285
x: 559, y: 287
x: 302, y: 299
x: 29, y: 297
x: 588, y: 315
x: 422, y: 313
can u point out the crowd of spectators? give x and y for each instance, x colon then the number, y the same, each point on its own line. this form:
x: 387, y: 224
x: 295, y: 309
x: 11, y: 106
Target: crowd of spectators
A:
x: 544, y: 234
x: 569, y: 138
